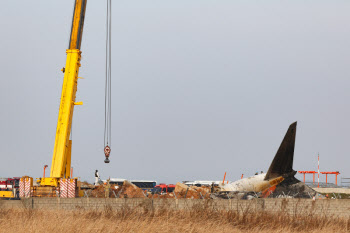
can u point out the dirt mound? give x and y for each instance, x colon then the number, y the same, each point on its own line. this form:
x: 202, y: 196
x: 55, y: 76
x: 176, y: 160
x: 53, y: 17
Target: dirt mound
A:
x: 180, y: 187
x: 203, y: 189
x: 98, y: 191
x: 131, y: 192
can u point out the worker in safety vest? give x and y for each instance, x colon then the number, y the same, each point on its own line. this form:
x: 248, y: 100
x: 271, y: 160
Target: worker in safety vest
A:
x: 107, y: 189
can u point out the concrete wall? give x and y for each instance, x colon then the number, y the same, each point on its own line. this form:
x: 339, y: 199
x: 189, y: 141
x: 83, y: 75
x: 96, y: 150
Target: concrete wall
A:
x: 336, y: 208
x: 332, y: 190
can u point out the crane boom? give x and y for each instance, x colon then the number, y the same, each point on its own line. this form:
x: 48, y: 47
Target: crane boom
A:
x: 61, y: 160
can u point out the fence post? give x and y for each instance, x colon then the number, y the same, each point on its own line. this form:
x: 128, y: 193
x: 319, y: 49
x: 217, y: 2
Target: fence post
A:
x: 186, y: 192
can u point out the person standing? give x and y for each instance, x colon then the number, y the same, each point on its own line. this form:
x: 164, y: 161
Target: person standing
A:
x: 107, y: 189
x: 97, y: 177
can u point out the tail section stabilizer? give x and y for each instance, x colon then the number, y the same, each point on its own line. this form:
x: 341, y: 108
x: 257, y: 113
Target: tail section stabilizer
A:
x: 282, y: 164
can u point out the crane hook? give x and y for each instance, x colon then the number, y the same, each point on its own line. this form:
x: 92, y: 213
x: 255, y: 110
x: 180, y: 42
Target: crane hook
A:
x: 108, y: 84
x: 107, y: 151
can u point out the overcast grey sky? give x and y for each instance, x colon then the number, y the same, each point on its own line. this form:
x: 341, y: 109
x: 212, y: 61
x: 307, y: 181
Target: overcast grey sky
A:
x: 199, y: 87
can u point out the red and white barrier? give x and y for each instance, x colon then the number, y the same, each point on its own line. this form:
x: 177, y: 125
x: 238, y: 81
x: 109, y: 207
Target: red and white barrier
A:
x: 67, y: 188
x: 71, y: 188
x: 63, y: 188
x: 25, y: 187
x: 21, y: 188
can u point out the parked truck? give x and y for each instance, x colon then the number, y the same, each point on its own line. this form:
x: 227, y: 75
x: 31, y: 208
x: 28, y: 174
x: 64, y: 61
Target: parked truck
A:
x: 9, y: 187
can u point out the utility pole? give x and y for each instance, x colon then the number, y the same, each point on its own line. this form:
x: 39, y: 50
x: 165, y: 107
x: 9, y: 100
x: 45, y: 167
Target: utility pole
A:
x: 318, y: 170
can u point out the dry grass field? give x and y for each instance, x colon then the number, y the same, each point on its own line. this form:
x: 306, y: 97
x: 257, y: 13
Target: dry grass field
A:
x: 164, y: 220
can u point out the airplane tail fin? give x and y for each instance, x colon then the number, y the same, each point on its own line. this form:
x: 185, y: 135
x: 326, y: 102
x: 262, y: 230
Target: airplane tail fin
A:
x: 282, y: 164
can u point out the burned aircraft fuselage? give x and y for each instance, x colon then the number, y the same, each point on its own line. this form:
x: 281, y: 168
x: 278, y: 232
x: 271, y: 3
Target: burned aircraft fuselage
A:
x: 255, y: 183
x: 280, y: 169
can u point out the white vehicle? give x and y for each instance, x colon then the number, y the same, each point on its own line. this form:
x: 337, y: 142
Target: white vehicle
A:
x: 201, y: 183
x: 280, y: 169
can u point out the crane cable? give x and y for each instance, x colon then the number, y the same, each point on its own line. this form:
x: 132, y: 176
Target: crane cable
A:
x: 107, y: 130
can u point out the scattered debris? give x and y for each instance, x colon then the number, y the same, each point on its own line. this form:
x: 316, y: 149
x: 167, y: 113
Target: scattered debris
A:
x: 294, y: 188
x: 289, y: 188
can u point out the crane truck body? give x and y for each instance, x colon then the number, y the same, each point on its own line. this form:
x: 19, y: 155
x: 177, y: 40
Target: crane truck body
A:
x: 61, y: 160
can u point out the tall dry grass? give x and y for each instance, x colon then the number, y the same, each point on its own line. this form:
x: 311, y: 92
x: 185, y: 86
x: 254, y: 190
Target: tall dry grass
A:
x: 164, y: 220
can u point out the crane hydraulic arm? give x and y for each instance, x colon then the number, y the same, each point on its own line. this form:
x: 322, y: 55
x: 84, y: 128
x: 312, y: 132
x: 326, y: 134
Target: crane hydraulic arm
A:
x: 61, y: 160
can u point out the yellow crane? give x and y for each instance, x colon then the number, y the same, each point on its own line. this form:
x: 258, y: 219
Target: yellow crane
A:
x: 61, y: 160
